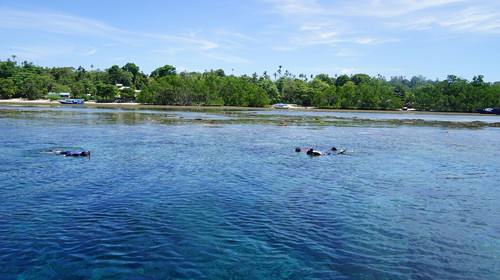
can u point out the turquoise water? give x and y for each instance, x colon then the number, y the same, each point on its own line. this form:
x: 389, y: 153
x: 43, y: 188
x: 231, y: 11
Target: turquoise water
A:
x: 178, y: 195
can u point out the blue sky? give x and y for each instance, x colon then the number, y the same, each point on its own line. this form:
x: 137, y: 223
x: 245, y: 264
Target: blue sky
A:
x: 432, y: 38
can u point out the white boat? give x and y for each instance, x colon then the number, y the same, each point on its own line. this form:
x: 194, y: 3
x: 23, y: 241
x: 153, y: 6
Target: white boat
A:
x: 72, y: 101
x: 281, y: 106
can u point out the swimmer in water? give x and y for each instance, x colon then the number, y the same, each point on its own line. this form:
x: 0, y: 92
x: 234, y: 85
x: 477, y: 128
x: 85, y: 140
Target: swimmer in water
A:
x: 313, y: 152
x: 68, y: 153
x: 76, y: 153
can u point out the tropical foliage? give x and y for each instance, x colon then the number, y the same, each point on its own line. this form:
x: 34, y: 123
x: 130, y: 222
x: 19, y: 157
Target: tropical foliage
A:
x: 166, y: 86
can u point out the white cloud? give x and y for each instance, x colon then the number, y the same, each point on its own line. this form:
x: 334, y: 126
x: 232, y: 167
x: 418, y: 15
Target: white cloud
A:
x: 54, y: 22
x: 297, y: 7
x: 394, y: 8
x: 344, y: 53
x: 308, y: 35
x: 323, y: 22
x: 36, y: 52
x: 373, y: 41
x: 347, y: 70
x: 228, y: 58
x: 466, y: 19
x: 180, y: 43
x: 282, y: 48
x: 90, y: 52
x: 50, y: 23
x: 473, y: 19
x: 420, y: 23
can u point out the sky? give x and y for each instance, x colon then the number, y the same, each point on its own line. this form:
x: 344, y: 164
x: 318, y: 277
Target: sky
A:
x: 431, y: 38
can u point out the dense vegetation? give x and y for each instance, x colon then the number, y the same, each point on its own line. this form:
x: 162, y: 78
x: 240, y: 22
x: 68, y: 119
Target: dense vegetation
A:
x: 167, y: 87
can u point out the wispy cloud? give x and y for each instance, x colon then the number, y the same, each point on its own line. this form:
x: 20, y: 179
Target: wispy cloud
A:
x: 89, y: 52
x: 186, y: 41
x: 466, y: 19
x: 297, y: 7
x: 36, y: 52
x: 473, y: 19
x: 228, y: 58
x: 282, y: 48
x: 393, y: 8
x: 105, y: 35
x: 344, y: 53
x: 322, y: 22
x: 55, y: 23
x: 349, y: 70
x: 315, y: 34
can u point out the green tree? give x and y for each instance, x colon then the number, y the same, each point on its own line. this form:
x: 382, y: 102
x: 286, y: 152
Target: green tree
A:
x: 328, y: 98
x: 163, y: 91
x: 131, y: 68
x: 360, y: 78
x: 342, y: 80
x: 271, y: 90
x: 325, y: 78
x: 127, y: 94
x: 7, y: 69
x: 348, y: 97
x: 106, y: 92
x: 425, y: 97
x: 60, y: 88
x: 35, y: 86
x: 116, y: 75
x: 366, y: 97
x: 315, y: 94
x: 7, y: 88
x: 166, y: 70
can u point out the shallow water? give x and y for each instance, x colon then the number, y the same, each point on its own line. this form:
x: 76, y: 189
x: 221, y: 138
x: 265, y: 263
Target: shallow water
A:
x: 167, y: 196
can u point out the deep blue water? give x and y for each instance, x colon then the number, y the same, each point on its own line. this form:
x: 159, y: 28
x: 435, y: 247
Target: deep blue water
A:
x: 161, y: 198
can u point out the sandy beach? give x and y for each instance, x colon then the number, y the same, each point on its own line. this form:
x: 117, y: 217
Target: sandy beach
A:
x: 133, y: 105
x: 91, y: 103
x: 45, y: 102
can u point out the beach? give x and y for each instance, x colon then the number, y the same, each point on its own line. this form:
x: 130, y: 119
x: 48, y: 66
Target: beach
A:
x: 91, y: 103
x: 292, y: 107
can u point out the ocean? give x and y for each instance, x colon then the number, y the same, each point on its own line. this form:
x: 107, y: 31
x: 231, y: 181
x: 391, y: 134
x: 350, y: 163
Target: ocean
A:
x: 224, y: 195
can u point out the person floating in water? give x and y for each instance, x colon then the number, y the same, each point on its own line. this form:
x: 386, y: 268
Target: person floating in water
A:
x: 75, y: 153
x: 313, y: 152
x: 82, y: 153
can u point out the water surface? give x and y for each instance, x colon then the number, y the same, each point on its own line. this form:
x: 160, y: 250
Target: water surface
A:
x: 175, y: 195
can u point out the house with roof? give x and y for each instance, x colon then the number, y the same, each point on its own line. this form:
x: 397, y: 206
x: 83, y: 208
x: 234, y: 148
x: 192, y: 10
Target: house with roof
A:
x: 60, y: 94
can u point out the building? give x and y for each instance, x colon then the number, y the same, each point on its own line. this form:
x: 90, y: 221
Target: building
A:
x: 61, y: 94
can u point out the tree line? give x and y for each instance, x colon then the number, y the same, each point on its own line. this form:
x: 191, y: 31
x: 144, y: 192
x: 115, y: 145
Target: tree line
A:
x: 214, y: 88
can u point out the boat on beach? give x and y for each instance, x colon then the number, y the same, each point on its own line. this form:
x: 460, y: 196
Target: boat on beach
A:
x: 72, y: 101
x: 281, y: 106
x: 495, y: 111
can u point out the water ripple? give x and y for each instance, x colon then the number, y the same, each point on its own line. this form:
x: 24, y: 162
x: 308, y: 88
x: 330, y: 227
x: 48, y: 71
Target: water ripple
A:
x: 235, y: 201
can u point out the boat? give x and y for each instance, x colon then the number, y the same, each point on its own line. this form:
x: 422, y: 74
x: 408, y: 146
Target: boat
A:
x: 72, y: 101
x: 281, y: 106
x: 495, y: 111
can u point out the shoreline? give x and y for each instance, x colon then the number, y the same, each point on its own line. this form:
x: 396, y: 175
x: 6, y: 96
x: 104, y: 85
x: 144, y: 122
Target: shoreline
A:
x: 132, y: 105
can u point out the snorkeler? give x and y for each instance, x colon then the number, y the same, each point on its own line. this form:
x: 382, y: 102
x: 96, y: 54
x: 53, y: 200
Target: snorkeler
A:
x: 68, y: 153
x: 313, y: 152
x: 76, y: 153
